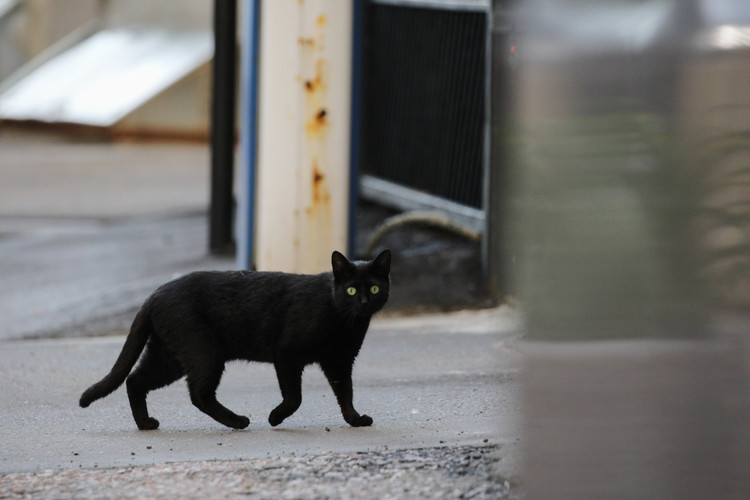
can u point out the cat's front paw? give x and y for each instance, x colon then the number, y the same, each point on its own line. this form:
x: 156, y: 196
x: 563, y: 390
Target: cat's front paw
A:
x: 361, y: 421
x: 275, y: 418
x: 149, y: 424
x: 239, y: 423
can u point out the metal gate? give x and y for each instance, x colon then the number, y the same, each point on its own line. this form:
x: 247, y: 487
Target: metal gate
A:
x: 423, y: 115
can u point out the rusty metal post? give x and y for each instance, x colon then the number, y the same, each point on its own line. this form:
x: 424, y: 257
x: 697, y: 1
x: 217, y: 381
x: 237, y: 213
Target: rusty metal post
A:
x: 304, y: 134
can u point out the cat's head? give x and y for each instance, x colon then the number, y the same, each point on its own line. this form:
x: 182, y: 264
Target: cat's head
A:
x: 361, y: 287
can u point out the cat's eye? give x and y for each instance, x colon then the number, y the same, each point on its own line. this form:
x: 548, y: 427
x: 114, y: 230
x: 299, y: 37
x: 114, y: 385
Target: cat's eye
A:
x: 374, y: 289
x: 351, y: 291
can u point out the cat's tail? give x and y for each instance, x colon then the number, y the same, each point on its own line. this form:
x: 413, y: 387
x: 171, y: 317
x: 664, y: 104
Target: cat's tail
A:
x: 131, y: 351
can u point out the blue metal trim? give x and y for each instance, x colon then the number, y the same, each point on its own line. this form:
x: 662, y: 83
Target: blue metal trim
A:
x: 248, y: 134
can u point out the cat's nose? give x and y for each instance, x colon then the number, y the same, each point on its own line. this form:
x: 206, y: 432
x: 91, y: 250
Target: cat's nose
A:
x: 363, y: 300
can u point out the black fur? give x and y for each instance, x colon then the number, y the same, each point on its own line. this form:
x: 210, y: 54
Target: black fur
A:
x: 193, y: 325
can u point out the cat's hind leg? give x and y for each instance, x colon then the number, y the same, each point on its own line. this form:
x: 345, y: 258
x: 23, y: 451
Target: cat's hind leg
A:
x: 156, y: 369
x: 202, y: 384
x: 290, y: 383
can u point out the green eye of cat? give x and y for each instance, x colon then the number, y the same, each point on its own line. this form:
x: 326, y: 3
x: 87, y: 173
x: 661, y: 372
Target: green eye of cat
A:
x: 374, y: 289
x: 351, y: 291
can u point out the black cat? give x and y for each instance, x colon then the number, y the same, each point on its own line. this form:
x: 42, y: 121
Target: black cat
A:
x: 193, y: 325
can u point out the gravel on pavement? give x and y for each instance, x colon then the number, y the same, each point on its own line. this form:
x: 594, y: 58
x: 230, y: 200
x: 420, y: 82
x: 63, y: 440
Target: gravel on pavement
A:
x: 469, y: 472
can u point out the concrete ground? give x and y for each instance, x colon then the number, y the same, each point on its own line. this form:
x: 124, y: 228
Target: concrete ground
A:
x: 452, y: 385
x: 87, y: 231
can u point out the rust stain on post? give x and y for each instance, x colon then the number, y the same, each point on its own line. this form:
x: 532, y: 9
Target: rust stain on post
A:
x: 317, y: 116
x: 317, y: 113
x: 317, y: 124
x: 316, y: 128
x: 320, y: 195
x: 306, y: 41
x: 317, y: 176
x: 317, y: 83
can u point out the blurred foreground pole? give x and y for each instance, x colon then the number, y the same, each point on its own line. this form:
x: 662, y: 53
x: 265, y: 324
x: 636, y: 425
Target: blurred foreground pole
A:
x: 501, y: 57
x: 631, y: 193
x: 222, y: 126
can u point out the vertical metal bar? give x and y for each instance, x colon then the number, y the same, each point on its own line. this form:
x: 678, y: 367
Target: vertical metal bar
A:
x: 497, y: 111
x: 248, y: 134
x: 357, y: 27
x: 487, y: 156
x: 222, y: 126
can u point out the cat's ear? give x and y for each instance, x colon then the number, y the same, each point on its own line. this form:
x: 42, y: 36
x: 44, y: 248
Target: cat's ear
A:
x: 342, y: 268
x: 382, y: 263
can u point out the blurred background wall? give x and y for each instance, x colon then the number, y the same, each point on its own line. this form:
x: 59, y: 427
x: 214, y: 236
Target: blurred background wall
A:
x: 162, y: 47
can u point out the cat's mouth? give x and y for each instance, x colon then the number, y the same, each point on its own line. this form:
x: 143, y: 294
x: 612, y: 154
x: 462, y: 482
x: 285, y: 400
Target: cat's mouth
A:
x: 368, y: 310
x: 360, y: 312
